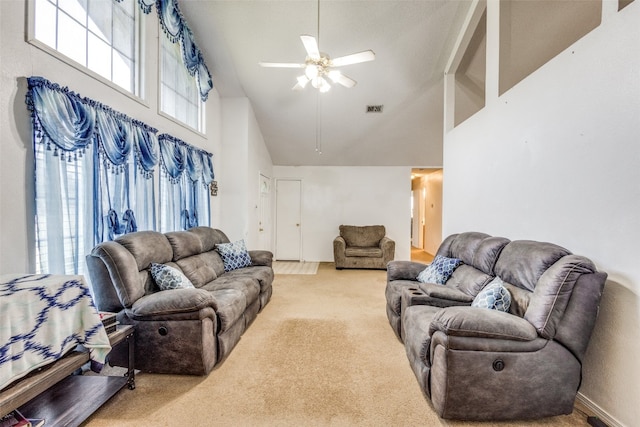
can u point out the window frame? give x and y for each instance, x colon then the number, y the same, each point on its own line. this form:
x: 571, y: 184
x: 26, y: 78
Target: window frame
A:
x: 139, y: 82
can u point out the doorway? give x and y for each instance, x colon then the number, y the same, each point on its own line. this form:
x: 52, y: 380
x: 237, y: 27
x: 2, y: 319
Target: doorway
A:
x: 288, y: 220
x: 426, y: 213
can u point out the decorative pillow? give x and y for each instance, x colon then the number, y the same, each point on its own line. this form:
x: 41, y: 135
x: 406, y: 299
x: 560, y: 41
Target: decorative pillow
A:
x: 168, y: 278
x: 439, y: 270
x: 494, y: 297
x: 234, y: 255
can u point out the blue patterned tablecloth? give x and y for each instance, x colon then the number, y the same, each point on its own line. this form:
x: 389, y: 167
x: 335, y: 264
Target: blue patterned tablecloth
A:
x: 42, y: 317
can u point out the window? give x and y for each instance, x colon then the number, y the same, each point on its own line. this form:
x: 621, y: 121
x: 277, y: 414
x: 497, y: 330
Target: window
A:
x: 101, y: 35
x: 179, y: 93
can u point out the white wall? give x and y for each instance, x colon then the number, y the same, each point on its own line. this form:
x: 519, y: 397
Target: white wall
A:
x: 557, y: 158
x: 21, y: 60
x: 355, y: 196
x: 259, y: 162
x: 234, y: 176
x: 244, y: 157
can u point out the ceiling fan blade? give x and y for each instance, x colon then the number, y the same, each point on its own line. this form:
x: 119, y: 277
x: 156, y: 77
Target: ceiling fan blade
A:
x: 280, y: 65
x: 337, y: 77
x: 354, y: 58
x: 311, y: 46
x: 302, y: 82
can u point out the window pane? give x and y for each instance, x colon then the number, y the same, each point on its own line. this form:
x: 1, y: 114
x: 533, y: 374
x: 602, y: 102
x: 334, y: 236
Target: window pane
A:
x: 99, y: 57
x: 72, y: 41
x: 100, y: 18
x: 179, y: 92
x: 123, y: 74
x: 123, y: 36
x: 75, y: 8
x: 87, y: 32
x: 45, y: 30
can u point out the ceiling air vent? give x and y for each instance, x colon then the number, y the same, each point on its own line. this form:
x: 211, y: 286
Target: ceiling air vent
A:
x: 374, y: 108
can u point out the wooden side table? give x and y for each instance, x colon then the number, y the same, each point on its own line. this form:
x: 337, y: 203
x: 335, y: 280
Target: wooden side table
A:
x: 62, y: 399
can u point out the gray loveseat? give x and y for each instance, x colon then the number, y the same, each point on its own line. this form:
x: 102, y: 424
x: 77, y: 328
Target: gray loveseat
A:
x: 363, y: 247
x: 482, y: 364
x: 181, y: 331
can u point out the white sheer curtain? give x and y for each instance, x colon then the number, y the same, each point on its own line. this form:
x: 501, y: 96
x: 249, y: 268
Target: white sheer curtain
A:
x: 64, y: 207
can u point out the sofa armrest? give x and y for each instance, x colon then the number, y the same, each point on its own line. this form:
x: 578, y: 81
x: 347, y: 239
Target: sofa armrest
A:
x: 404, y: 270
x: 388, y: 247
x: 482, y: 323
x: 260, y: 257
x: 445, y: 292
x: 339, y: 247
x: 167, y: 303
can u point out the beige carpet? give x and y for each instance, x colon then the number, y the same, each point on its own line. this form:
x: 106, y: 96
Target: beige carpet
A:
x: 320, y: 354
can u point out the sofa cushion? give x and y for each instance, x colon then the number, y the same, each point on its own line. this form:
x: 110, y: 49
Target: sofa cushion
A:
x: 476, y: 249
x: 209, y: 237
x: 439, y: 270
x: 522, y: 262
x: 184, y: 244
x: 469, y: 280
x: 200, y: 269
x: 362, y: 236
x: 168, y: 278
x: 234, y: 255
x: 494, y: 297
x: 147, y: 247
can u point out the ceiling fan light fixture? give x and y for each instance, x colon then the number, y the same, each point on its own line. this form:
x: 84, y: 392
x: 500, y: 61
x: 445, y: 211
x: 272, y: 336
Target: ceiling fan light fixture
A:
x: 321, y: 84
x: 311, y: 71
x: 302, y: 81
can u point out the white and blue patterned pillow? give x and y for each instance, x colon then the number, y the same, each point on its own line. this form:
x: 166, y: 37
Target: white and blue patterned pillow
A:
x: 234, y: 255
x: 494, y: 297
x: 439, y: 270
x: 168, y: 278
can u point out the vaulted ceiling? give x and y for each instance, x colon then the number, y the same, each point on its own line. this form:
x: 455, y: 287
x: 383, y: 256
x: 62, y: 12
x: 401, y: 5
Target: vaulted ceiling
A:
x: 412, y: 41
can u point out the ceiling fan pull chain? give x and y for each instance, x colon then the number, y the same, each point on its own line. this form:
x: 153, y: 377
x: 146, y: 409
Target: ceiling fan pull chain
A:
x: 318, y: 124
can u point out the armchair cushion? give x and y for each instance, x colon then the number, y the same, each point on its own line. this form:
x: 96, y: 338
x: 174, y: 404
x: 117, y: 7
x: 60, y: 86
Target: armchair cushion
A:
x: 362, y: 236
x: 439, y: 270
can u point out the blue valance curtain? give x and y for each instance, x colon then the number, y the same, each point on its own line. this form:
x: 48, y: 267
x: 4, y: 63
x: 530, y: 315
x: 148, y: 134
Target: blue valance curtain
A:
x: 93, y: 171
x: 175, y: 27
x: 94, y: 177
x: 184, y: 184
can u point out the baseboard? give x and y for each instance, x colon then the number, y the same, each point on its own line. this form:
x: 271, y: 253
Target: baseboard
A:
x: 590, y: 409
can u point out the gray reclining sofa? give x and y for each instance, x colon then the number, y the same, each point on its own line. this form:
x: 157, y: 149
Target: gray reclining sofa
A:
x: 179, y: 331
x: 484, y: 364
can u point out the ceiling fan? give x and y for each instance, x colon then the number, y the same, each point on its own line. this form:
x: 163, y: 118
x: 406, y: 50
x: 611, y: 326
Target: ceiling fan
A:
x: 318, y: 66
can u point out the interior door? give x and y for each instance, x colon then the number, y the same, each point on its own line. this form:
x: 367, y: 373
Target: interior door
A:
x: 288, y: 219
x: 264, y: 221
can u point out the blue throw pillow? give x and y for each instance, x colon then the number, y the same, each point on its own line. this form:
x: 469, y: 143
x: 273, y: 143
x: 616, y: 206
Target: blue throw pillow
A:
x: 439, y: 270
x: 494, y: 297
x: 168, y: 278
x: 234, y: 255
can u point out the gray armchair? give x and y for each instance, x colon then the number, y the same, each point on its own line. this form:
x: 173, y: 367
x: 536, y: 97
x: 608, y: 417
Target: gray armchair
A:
x: 363, y: 247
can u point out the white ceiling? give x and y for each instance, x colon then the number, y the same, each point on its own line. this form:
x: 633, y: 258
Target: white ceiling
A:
x: 412, y: 41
